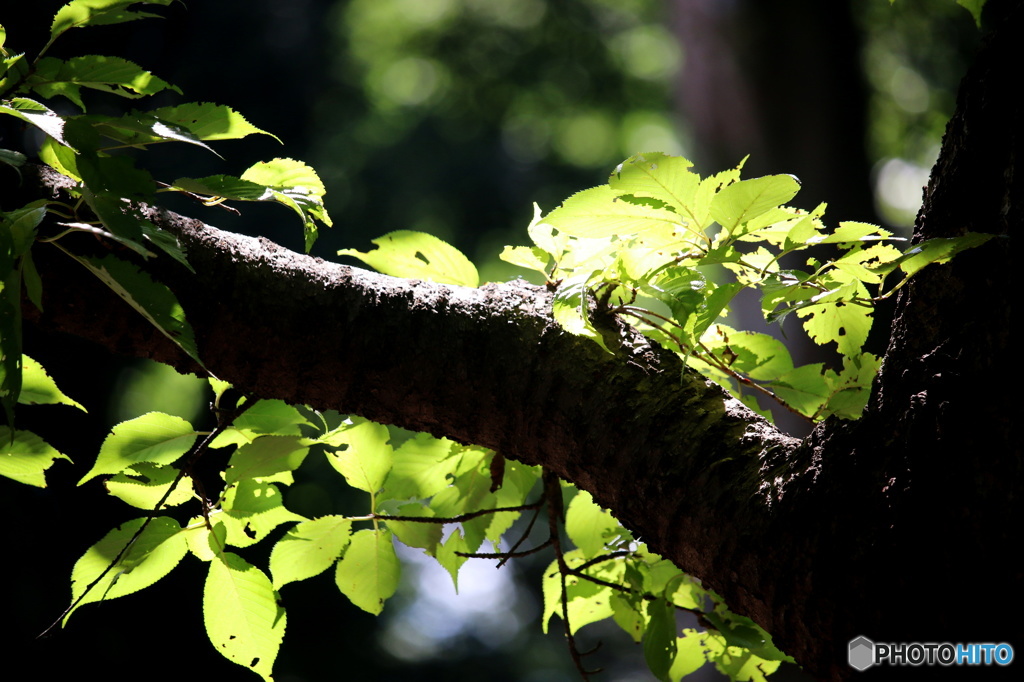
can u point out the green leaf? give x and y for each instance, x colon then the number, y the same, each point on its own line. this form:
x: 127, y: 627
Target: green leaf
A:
x: 689, y: 655
x: 298, y: 187
x: 37, y: 388
x: 414, y: 534
x: 627, y: 614
x: 418, y: 255
x: 974, y: 7
x: 113, y: 75
x: 208, y: 121
x: 939, y: 251
x: 308, y: 549
x: 265, y: 418
x: 663, y: 177
x: 142, y: 129
x: 145, y: 484
x: 833, y: 317
x: 849, y: 232
x: 33, y: 112
x: 600, y: 212
x: 154, y: 437
x: 369, y: 570
x: 25, y: 457
x: 206, y: 542
x: 151, y: 299
x: 587, y: 602
x: 12, y: 69
x: 448, y: 557
x: 366, y: 461
x: 804, y: 388
x: 266, y: 456
x: 81, y: 13
x: 529, y: 257
x: 159, y: 548
x: 745, y: 200
x: 660, y: 638
x: 589, y: 526
x: 420, y: 467
x: 243, y: 619
x: 251, y: 510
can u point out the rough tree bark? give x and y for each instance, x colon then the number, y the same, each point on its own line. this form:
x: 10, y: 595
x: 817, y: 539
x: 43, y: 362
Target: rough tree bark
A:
x: 897, y: 527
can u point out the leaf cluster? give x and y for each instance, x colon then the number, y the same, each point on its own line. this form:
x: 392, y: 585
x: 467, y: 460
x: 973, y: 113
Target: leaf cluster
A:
x: 99, y: 153
x: 671, y: 250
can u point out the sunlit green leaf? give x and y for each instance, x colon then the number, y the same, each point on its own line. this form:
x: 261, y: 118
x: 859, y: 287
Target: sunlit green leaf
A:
x: 369, y: 570
x: 366, y: 461
x: 939, y: 251
x: 589, y: 526
x: 420, y: 468
x: 600, y: 212
x: 417, y: 255
x: 243, y: 618
x: 154, y: 437
x: 308, y: 549
x: 251, y: 510
x: 52, y: 77
x: 660, y: 638
x: 25, y: 457
x: 38, y: 388
x: 36, y: 114
x: 663, y: 177
x: 152, y: 556
x: 208, y: 121
x: 297, y: 186
x: 414, y: 534
x: 144, y: 485
x: 745, y: 200
x: 265, y: 456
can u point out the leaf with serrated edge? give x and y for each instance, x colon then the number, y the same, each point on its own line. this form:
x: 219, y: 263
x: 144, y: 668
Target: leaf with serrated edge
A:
x: 369, y: 570
x: 745, y: 200
x: 600, y: 212
x: 251, y: 510
x: 38, y: 388
x: 25, y: 457
x: 266, y: 456
x: 153, y: 555
x: 153, y: 300
x: 309, y: 549
x: 663, y: 177
x: 33, y: 112
x: 589, y: 526
x: 659, y: 639
x: 143, y: 485
x: 208, y: 121
x: 242, y: 615
x: 418, y: 255
x: 367, y: 460
x: 154, y: 437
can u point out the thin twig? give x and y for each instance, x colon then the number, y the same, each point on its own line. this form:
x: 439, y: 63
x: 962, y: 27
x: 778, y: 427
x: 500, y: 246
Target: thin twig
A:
x: 186, y: 468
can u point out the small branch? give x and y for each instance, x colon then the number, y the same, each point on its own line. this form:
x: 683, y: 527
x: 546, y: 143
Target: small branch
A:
x: 186, y: 469
x: 445, y: 519
x: 553, y: 492
x: 505, y: 556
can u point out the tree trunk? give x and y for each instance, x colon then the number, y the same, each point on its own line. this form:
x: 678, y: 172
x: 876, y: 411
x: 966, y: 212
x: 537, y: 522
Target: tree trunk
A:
x: 879, y: 528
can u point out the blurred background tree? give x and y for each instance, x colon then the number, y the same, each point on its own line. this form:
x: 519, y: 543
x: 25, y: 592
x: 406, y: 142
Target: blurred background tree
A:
x: 453, y: 117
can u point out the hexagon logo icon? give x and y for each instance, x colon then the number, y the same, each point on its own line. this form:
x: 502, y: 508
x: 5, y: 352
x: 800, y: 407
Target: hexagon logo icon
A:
x: 862, y: 653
